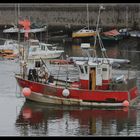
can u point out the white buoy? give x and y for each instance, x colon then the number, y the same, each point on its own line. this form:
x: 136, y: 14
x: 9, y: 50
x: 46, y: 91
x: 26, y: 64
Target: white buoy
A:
x: 65, y: 92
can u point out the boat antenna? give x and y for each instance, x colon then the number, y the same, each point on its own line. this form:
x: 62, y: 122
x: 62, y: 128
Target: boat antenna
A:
x: 103, y: 50
x: 97, y: 35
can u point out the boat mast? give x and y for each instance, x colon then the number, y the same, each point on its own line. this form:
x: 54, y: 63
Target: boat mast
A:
x: 87, y: 17
x: 15, y: 14
x: 98, y: 19
x: 97, y: 25
x: 127, y: 17
x: 20, y: 56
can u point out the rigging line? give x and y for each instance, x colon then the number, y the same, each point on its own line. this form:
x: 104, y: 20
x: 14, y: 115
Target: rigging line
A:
x: 58, y: 75
x: 104, y: 54
x: 98, y: 20
x: 67, y: 76
x: 101, y: 45
x: 97, y: 25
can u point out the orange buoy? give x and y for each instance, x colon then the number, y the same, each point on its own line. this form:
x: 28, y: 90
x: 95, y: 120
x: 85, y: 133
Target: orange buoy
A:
x: 125, y: 103
x: 26, y: 91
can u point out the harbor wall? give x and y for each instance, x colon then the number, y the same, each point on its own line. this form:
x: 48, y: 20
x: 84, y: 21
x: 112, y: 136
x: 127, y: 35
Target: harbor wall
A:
x: 72, y: 15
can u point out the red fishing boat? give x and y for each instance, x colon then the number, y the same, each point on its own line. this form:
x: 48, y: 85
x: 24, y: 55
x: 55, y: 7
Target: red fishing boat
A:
x: 94, y: 88
x: 96, y: 85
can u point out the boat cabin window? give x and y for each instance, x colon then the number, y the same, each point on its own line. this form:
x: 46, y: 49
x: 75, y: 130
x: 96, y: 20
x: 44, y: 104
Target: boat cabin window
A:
x: 34, y: 43
x: 81, y: 69
x: 50, y: 47
x: 104, y: 69
x: 2, y: 42
x: 11, y: 43
x: 86, y: 69
x: 32, y: 49
x: 43, y: 47
x: 37, y: 64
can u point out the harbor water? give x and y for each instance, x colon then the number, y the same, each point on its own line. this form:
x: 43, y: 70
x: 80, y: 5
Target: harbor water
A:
x: 25, y: 118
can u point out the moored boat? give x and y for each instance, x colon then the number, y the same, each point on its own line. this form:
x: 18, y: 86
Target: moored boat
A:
x: 112, y: 35
x: 9, y: 48
x: 46, y: 51
x: 84, y: 33
x: 134, y: 33
x: 94, y: 88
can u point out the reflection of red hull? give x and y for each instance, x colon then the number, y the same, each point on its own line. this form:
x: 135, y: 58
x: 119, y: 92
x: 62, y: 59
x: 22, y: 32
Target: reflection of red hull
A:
x: 53, y: 94
x: 42, y: 113
x: 28, y: 114
x: 104, y: 114
x: 35, y: 114
x: 108, y: 114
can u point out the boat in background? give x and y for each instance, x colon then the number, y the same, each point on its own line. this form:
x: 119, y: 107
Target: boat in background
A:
x: 84, y: 33
x: 9, y: 48
x: 15, y: 29
x: 125, y: 32
x: 134, y: 33
x: 112, y: 35
x: 45, y: 51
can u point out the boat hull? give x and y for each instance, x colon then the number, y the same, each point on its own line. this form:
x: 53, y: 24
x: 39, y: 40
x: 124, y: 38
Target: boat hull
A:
x: 74, y: 35
x: 51, y: 55
x: 52, y: 94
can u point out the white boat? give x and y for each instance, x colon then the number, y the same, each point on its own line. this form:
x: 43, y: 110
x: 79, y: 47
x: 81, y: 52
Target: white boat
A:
x: 9, y: 48
x: 39, y: 50
x: 125, y: 31
x: 134, y: 33
x: 111, y: 60
x: 16, y: 30
x: 84, y: 33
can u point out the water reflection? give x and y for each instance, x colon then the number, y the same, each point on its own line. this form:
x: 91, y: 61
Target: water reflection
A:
x: 37, y: 119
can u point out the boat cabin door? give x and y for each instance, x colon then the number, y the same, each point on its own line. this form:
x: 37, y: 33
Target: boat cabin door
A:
x: 95, y: 77
x: 92, y: 78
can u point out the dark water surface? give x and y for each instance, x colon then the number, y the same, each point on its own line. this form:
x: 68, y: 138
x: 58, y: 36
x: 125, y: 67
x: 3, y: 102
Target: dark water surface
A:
x: 21, y: 118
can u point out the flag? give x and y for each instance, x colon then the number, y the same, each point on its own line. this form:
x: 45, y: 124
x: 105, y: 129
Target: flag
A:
x: 26, y: 26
